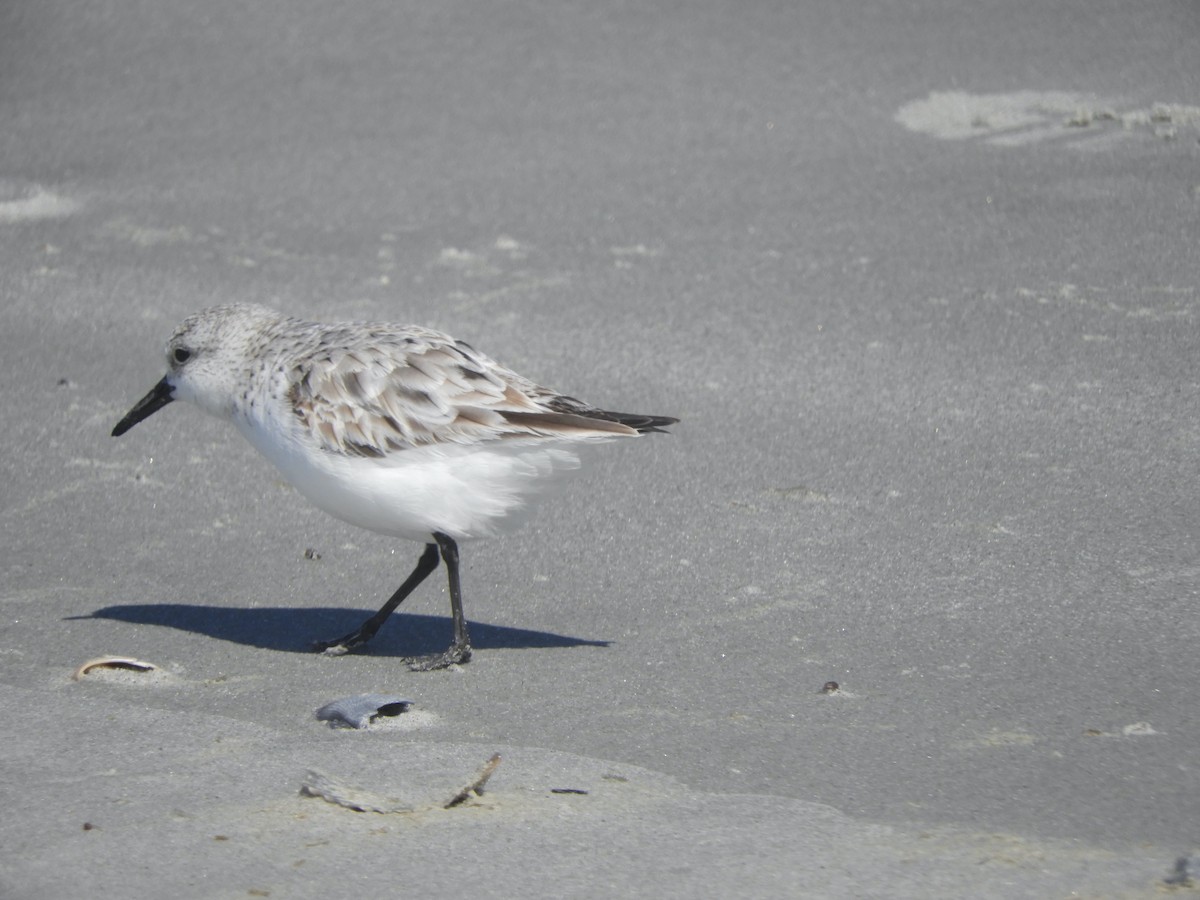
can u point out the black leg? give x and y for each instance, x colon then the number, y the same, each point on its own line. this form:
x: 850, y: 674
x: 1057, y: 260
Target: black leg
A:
x: 460, y: 650
x: 426, y: 564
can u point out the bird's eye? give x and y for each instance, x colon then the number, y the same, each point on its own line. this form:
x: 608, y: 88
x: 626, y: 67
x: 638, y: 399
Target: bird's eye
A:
x: 181, y: 355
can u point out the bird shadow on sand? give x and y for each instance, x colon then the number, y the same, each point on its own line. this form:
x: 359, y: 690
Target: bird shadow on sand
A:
x: 291, y: 629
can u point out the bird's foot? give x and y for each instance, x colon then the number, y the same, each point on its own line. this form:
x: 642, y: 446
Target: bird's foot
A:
x: 454, y: 655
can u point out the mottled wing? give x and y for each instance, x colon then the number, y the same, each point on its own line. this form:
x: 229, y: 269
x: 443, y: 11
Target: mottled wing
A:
x: 412, y: 388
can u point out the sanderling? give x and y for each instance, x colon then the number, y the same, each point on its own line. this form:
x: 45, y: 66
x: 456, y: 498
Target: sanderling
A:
x: 395, y: 428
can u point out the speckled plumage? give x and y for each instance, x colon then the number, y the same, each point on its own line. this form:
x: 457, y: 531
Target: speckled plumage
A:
x: 395, y: 428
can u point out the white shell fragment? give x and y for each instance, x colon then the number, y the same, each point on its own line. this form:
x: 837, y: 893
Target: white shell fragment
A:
x: 361, y: 710
x: 112, y: 662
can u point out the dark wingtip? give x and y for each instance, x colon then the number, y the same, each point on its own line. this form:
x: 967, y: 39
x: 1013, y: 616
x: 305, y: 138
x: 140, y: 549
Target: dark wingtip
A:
x: 640, y: 423
x: 657, y: 424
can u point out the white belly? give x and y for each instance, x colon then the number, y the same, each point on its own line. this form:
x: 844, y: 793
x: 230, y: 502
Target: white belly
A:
x: 465, y: 491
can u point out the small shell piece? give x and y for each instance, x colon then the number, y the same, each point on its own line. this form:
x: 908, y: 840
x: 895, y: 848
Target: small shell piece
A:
x: 361, y: 710
x: 112, y: 662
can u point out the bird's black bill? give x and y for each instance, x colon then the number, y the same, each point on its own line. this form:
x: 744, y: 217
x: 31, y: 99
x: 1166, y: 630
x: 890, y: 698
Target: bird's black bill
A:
x: 159, y: 396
